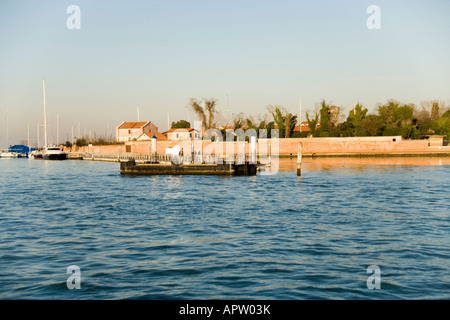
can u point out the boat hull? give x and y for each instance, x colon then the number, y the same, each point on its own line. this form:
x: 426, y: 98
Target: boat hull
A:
x: 61, y: 156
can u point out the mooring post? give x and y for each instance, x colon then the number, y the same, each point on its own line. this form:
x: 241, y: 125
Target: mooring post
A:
x: 270, y: 155
x: 253, y: 153
x: 154, y: 148
x: 299, y: 159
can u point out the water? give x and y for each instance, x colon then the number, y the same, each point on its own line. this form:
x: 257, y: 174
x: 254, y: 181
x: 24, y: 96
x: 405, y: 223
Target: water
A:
x: 196, y: 237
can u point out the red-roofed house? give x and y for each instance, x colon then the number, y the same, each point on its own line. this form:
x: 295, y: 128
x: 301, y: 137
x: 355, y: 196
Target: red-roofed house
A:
x: 182, y: 134
x: 146, y: 136
x: 128, y: 131
x: 304, y: 127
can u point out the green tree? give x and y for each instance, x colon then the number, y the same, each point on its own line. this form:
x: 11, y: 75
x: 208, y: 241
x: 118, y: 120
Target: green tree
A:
x: 371, y: 125
x: 395, y: 117
x: 325, y: 124
x: 442, y: 125
x: 80, y: 142
x: 279, y: 119
x: 312, y: 121
x: 285, y: 120
x: 435, y: 111
x: 289, y: 124
x: 181, y: 124
x: 269, y: 127
x: 354, y: 120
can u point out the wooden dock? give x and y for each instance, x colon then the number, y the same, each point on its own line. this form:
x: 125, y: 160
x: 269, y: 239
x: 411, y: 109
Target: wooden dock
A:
x: 225, y: 169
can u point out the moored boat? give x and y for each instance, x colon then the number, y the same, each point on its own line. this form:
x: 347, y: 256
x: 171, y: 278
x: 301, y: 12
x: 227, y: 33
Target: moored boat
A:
x: 54, y: 153
x: 8, y: 155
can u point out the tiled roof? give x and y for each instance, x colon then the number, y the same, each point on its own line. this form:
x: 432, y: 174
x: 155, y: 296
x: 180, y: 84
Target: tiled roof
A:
x: 133, y: 125
x: 172, y: 130
x: 159, y: 136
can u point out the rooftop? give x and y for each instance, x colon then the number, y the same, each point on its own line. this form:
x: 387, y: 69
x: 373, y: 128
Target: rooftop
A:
x: 133, y: 125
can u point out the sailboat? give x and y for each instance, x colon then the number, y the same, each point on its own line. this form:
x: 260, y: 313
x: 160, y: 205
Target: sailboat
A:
x: 7, y: 154
x: 50, y: 152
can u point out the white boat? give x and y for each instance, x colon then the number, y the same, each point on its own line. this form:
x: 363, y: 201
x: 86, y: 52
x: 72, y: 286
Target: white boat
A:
x: 35, y: 155
x: 54, y: 153
x: 8, y: 155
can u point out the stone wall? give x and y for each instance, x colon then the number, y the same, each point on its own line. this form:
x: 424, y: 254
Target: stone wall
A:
x: 318, y: 146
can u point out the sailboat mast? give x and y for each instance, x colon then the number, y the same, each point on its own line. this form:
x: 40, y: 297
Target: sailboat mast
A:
x: 57, y: 129
x: 45, y: 116
x: 28, y: 139
x: 7, y: 128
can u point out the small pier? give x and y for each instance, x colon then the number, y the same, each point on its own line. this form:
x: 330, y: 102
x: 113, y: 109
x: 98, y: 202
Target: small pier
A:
x: 226, y: 169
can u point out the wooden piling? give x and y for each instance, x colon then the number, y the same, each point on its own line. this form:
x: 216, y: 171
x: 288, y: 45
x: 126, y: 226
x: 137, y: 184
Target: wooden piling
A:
x: 299, y: 159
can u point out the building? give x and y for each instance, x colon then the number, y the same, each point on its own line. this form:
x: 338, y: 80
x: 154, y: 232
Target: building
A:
x: 147, y: 136
x: 128, y: 131
x: 182, y: 134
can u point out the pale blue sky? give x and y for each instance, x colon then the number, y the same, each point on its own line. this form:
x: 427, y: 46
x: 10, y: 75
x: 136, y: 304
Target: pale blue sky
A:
x: 158, y: 54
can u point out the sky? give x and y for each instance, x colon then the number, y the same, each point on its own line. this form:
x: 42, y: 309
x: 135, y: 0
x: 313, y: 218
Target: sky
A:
x: 155, y: 55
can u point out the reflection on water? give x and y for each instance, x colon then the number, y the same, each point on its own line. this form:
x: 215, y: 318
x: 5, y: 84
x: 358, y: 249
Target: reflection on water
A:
x: 324, y: 164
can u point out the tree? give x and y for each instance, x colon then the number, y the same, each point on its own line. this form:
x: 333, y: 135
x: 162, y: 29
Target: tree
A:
x: 80, y: 142
x: 324, y: 114
x: 312, y: 121
x: 371, y: 125
x: 285, y: 120
x: 435, y: 112
x: 269, y: 127
x: 355, y: 118
x: 395, y: 117
x: 289, y: 124
x: 206, y: 112
x: 238, y: 120
x: 442, y: 125
x: 181, y: 124
x: 279, y: 119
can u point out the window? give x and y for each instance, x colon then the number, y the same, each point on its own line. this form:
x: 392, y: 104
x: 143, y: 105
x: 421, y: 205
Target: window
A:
x: 177, y: 136
x: 129, y: 131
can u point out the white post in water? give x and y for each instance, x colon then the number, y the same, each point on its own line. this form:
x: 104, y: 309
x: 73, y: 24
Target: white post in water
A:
x: 201, y: 151
x: 299, y: 159
x: 253, y: 148
x: 270, y: 155
x: 154, y: 145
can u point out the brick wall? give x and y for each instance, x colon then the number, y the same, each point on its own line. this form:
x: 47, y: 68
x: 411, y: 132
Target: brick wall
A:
x: 319, y: 146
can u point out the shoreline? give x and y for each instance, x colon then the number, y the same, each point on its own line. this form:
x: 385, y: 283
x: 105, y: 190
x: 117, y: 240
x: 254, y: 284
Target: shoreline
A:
x: 369, y: 155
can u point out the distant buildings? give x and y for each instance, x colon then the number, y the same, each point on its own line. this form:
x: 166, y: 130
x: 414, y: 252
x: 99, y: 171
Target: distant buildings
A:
x: 182, y: 134
x: 304, y: 127
x: 147, y: 136
x: 128, y: 131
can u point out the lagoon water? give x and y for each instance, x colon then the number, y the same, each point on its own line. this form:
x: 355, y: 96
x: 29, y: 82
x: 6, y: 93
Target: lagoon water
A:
x: 195, y: 237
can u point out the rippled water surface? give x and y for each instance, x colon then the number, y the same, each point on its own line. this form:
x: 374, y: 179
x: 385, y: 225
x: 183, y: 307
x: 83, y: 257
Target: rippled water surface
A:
x: 197, y: 237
